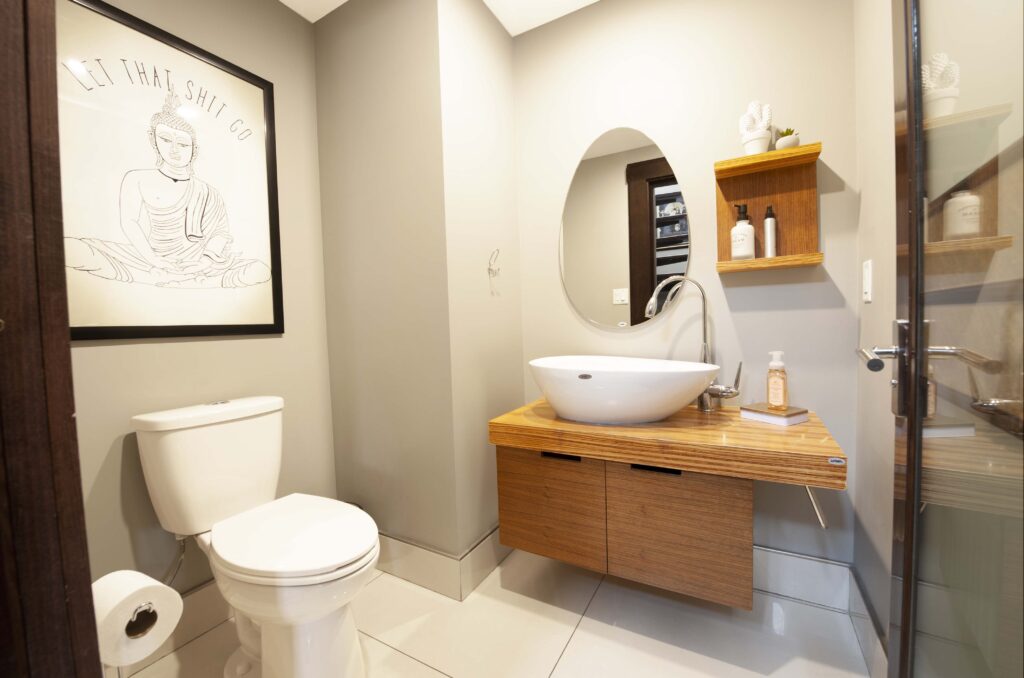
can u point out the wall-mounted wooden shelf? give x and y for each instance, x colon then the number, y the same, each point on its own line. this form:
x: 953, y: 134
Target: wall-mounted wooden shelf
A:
x: 788, y: 181
x: 981, y: 245
x: 764, y: 162
x: 763, y: 264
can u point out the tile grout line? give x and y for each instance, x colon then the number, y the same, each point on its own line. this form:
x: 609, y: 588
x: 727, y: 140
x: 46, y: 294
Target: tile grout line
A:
x: 578, y: 622
x: 801, y: 601
x: 179, y: 648
x: 392, y: 647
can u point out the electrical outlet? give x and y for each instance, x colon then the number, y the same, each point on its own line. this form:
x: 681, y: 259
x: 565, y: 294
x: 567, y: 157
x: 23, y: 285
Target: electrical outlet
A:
x: 620, y: 296
x: 866, y: 283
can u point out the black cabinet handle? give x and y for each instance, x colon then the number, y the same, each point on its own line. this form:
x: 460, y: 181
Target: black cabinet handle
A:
x: 563, y: 457
x: 656, y: 469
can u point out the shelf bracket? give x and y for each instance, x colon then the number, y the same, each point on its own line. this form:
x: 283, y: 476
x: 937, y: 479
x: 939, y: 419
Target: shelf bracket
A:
x: 817, y: 507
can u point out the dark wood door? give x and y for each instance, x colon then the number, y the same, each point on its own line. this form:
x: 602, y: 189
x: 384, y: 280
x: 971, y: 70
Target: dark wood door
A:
x: 641, y: 177
x: 47, y: 627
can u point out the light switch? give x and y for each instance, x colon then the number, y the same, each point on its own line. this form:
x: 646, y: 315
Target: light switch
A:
x: 866, y: 283
x: 620, y: 296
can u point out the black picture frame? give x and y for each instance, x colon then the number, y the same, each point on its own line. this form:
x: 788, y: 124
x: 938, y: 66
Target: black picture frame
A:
x: 172, y: 331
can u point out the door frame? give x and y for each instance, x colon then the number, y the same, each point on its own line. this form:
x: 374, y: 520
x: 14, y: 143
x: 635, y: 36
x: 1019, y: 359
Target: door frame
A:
x: 640, y: 180
x: 47, y: 624
x: 910, y: 219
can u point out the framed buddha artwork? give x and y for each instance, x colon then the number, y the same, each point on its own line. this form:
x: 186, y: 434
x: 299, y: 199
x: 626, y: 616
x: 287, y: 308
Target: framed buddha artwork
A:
x: 168, y: 183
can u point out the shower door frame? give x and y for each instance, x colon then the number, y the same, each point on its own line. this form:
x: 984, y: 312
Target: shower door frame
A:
x: 909, y: 306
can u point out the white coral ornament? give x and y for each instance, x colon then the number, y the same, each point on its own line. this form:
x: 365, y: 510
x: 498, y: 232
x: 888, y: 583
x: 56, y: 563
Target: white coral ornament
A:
x: 939, y: 73
x: 756, y: 120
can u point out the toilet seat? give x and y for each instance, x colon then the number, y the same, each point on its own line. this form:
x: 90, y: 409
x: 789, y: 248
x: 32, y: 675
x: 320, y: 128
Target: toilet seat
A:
x: 297, y: 540
x: 345, y: 571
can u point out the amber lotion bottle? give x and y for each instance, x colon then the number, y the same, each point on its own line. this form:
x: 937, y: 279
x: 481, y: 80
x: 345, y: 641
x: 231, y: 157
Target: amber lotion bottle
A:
x: 778, y: 383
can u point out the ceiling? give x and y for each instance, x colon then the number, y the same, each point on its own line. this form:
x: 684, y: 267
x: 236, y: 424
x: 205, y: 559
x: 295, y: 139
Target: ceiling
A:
x: 313, y: 10
x: 517, y: 16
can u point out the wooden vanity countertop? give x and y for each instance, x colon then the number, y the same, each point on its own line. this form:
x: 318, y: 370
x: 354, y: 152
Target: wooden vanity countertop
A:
x: 717, y: 443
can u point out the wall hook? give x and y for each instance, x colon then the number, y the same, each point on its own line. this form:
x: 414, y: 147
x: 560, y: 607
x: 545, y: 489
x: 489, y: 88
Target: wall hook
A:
x: 493, y: 270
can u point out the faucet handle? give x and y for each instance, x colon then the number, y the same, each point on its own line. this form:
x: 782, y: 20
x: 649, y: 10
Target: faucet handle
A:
x: 723, y: 391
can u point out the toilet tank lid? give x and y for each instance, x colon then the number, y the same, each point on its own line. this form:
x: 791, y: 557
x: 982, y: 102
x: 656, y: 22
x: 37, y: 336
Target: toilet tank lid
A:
x: 207, y: 413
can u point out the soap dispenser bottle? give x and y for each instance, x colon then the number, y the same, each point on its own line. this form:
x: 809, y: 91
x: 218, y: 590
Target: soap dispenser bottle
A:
x: 778, y: 383
x: 769, y: 233
x: 742, y: 235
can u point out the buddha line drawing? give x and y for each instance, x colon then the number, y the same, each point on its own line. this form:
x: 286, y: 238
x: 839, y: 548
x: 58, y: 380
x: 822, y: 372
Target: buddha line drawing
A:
x: 176, y: 224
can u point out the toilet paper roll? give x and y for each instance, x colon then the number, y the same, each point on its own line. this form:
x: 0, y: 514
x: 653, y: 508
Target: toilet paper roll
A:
x: 135, y: 614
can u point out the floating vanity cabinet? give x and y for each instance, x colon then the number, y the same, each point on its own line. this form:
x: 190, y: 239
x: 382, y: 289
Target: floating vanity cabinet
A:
x: 691, y: 533
x: 669, y: 504
x: 554, y: 505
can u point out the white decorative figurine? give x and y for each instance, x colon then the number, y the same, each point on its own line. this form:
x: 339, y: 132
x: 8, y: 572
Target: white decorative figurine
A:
x: 755, y: 127
x: 940, y: 78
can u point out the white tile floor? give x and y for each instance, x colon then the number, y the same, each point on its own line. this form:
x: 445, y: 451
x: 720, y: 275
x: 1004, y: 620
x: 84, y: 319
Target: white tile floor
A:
x: 534, y: 617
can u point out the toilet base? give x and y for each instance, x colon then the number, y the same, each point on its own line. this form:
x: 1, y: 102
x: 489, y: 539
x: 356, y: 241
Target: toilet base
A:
x: 306, y: 650
x: 241, y: 665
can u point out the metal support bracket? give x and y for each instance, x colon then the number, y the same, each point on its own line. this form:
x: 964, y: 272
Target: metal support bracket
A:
x: 817, y: 507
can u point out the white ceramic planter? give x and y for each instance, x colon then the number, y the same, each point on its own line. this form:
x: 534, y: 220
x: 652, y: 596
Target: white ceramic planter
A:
x: 756, y: 142
x: 790, y: 141
x: 940, y: 102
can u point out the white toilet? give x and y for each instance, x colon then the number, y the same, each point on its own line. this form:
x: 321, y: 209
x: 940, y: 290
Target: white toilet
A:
x: 289, y: 567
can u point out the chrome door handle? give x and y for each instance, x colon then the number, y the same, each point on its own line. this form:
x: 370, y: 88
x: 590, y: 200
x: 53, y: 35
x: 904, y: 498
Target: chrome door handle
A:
x: 873, y: 357
x: 1006, y: 413
x: 972, y: 358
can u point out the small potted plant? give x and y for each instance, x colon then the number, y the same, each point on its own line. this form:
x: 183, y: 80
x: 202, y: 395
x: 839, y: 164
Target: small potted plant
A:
x: 755, y: 128
x: 788, y: 138
x: 940, y: 80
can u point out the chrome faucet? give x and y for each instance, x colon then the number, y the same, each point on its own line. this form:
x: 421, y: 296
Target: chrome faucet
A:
x: 651, y: 309
x: 710, y: 399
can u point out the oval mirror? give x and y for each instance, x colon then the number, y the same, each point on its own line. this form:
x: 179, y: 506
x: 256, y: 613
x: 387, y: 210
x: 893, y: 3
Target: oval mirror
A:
x: 624, y: 229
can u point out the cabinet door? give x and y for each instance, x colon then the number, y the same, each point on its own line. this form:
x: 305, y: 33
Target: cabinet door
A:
x: 553, y: 505
x: 691, y: 533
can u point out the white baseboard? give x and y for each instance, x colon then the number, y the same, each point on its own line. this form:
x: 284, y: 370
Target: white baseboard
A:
x: 870, y: 643
x: 447, y: 575
x: 421, y: 566
x: 812, y: 580
x: 481, y: 561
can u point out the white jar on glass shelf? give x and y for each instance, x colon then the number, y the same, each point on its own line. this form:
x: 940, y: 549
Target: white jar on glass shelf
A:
x: 961, y: 216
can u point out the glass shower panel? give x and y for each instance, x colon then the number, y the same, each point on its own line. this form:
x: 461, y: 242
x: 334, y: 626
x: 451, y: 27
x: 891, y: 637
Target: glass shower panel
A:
x: 970, y: 566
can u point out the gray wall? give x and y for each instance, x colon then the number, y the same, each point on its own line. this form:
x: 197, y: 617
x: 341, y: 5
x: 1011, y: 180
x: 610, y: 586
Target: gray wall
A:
x: 872, y: 486
x: 115, y: 380
x: 379, y: 107
x: 605, y: 67
x: 416, y: 157
x: 479, y: 204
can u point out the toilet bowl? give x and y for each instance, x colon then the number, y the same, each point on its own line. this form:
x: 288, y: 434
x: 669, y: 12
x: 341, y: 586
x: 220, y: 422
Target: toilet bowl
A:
x: 292, y: 566
x: 288, y: 567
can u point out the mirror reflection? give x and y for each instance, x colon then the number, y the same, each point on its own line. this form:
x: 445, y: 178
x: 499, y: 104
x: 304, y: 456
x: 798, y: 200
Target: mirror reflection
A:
x: 624, y: 229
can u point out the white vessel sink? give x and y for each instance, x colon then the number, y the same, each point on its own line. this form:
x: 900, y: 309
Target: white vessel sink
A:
x: 601, y: 389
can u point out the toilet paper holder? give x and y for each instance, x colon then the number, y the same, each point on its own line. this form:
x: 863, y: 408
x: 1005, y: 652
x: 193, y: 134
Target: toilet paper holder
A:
x: 142, y: 621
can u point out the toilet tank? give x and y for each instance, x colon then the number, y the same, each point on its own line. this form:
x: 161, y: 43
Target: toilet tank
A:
x: 204, y: 463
